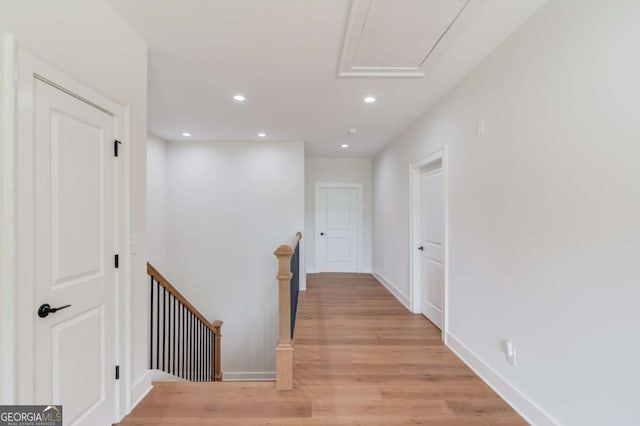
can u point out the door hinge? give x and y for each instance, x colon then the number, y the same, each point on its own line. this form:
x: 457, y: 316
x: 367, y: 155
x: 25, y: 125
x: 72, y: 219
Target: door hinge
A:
x: 115, y: 147
x: 117, y: 261
x: 117, y: 372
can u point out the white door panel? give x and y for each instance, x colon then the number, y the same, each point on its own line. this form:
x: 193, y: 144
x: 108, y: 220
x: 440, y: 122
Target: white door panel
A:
x: 432, y: 244
x: 338, y: 210
x: 337, y: 229
x: 433, y: 196
x: 74, y: 175
x: 338, y: 249
x: 433, y: 251
x: 433, y: 276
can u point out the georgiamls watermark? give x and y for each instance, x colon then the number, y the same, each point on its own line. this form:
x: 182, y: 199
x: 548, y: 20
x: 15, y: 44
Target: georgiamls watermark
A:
x: 30, y: 415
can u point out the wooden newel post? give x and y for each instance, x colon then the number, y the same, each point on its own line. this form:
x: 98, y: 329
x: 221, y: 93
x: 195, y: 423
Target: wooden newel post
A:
x: 216, y: 370
x: 284, y: 349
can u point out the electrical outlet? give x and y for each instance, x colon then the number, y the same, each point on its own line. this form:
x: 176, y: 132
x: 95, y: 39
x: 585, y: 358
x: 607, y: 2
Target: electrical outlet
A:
x: 480, y: 128
x: 511, y: 353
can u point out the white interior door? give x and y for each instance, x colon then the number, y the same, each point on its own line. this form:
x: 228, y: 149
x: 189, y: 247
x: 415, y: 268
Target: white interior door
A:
x: 74, y: 232
x: 432, y: 241
x: 337, y: 224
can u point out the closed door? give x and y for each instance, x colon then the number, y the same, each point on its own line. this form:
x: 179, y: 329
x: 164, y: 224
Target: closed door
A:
x: 337, y: 223
x: 431, y: 247
x: 74, y: 229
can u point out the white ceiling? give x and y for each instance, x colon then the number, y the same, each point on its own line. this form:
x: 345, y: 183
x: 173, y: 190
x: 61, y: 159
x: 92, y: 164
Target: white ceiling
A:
x: 283, y: 55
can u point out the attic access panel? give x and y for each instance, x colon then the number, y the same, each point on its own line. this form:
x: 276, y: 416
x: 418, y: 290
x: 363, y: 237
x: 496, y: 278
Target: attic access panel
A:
x: 394, y: 38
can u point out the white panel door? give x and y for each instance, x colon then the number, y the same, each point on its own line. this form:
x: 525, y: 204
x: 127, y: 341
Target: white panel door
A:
x: 432, y: 245
x: 337, y: 229
x: 75, y: 193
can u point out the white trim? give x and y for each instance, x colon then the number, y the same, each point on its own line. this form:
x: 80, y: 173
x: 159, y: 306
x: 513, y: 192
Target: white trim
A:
x: 125, y: 351
x: 143, y: 385
x: 28, y: 67
x: 528, y: 409
x: 8, y: 222
x: 161, y: 376
x: 439, y: 155
x: 392, y: 288
x: 380, y: 72
x: 359, y: 224
x: 257, y: 376
x: 141, y: 388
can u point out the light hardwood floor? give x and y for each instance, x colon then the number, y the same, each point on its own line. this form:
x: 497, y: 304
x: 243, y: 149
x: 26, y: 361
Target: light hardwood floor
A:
x: 360, y: 359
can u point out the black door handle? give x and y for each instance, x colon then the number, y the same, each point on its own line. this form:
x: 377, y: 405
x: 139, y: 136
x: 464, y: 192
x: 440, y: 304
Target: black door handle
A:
x: 322, y: 233
x: 45, y: 309
x: 421, y: 248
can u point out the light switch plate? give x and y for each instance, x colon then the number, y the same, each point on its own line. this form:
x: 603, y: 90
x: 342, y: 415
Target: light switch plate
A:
x: 133, y: 244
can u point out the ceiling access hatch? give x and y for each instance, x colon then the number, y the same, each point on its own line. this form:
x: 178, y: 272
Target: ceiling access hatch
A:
x: 394, y: 38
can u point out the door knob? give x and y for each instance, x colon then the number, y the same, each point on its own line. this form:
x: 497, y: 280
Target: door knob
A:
x: 322, y: 233
x: 45, y: 309
x: 421, y: 248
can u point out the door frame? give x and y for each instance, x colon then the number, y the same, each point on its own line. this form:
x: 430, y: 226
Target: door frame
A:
x: 8, y: 221
x: 18, y: 141
x: 359, y: 220
x: 415, y: 289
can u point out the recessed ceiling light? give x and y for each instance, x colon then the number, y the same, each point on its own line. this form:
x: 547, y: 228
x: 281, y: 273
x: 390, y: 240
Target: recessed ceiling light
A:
x: 239, y: 98
x: 352, y: 131
x: 262, y: 135
x: 344, y: 145
x: 369, y: 99
x: 187, y: 134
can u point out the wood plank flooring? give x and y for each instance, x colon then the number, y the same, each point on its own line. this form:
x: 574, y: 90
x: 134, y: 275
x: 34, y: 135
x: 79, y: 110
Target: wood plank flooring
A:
x: 360, y: 359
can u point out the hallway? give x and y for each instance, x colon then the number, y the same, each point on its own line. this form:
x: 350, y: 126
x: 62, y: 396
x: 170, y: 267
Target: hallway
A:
x: 360, y: 358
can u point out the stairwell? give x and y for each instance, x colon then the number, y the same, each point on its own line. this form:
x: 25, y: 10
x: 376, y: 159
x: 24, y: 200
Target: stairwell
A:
x: 361, y: 358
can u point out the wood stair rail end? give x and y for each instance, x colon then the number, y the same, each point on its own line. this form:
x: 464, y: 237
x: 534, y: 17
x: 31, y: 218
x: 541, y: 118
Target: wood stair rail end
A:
x: 216, y: 366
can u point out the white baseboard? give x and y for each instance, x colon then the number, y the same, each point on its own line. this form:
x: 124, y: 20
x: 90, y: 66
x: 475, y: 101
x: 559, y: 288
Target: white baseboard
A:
x: 140, y: 389
x: 144, y: 384
x: 161, y: 376
x: 516, y: 399
x: 257, y: 376
x: 392, y: 288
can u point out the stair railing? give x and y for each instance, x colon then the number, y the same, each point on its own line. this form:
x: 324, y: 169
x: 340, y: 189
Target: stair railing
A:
x: 288, y: 288
x: 181, y: 340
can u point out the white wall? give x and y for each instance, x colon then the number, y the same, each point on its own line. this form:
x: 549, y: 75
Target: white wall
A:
x: 157, y: 203
x: 89, y: 41
x: 350, y: 170
x: 544, y: 211
x: 230, y: 205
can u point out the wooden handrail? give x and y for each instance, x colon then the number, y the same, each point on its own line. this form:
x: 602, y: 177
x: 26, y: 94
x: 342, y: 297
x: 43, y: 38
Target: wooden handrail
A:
x: 284, y: 349
x: 214, y: 327
x: 288, y: 249
x: 153, y: 272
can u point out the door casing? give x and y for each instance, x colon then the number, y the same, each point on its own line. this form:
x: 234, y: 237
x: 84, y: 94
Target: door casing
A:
x: 415, y: 289
x: 20, y: 384
x: 8, y: 285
